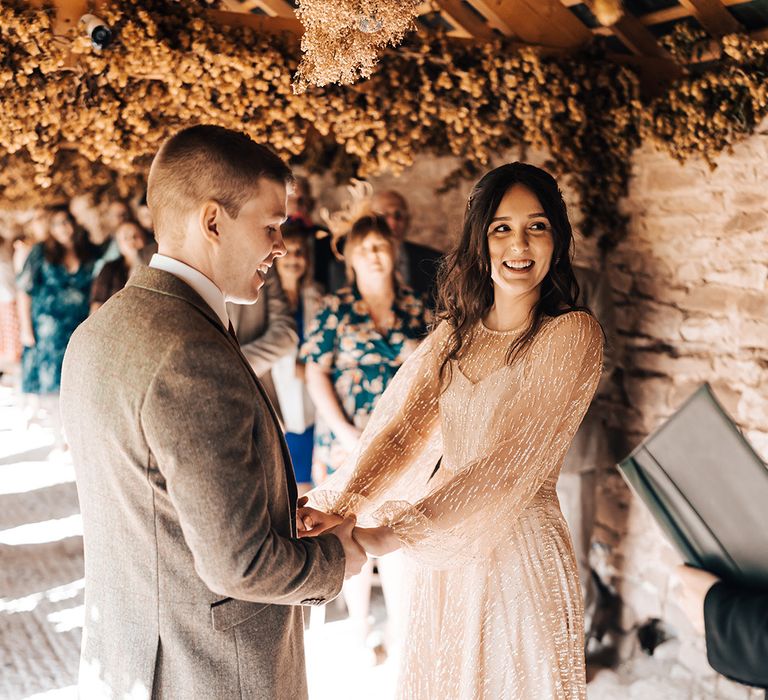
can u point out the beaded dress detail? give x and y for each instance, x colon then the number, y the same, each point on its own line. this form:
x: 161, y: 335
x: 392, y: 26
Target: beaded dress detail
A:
x: 494, y: 605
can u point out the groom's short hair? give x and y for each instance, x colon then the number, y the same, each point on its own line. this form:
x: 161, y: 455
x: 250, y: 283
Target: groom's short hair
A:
x: 206, y: 162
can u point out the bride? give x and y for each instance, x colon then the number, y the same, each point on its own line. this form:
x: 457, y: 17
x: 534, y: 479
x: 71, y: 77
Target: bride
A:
x: 497, y: 390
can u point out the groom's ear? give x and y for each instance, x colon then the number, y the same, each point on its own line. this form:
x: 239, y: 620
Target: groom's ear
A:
x: 209, y: 220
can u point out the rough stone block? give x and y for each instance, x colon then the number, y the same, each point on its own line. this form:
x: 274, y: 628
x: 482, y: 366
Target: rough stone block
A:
x: 746, y: 372
x: 658, y: 321
x: 712, y: 299
x: 753, y: 305
x: 710, y: 330
x: 746, y: 275
x: 754, y: 334
x: 753, y: 408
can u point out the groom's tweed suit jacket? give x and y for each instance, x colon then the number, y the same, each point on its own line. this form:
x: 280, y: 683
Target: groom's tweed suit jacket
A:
x: 193, y: 574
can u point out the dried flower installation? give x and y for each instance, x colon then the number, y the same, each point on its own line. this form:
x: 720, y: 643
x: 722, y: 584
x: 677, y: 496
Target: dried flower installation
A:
x: 343, y: 38
x: 75, y: 119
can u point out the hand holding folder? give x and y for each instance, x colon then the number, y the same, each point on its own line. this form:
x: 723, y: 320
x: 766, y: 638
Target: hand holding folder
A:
x: 708, y: 490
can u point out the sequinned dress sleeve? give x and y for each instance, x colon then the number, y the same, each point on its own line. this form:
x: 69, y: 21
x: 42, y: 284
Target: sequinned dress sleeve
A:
x: 486, y: 495
x: 400, y: 445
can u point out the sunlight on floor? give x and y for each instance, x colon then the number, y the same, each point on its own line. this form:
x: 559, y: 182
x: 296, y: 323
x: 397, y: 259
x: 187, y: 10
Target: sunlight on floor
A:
x: 54, y: 595
x: 46, y: 531
x: 35, y: 475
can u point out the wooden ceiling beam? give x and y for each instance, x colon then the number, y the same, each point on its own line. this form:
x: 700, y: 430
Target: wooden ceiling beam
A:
x: 495, y: 21
x: 271, y: 8
x: 461, y: 17
x: 636, y: 36
x: 713, y: 16
x: 542, y: 22
x: 268, y: 25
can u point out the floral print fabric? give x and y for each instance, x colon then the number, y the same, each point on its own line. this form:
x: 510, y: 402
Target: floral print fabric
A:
x: 360, y: 360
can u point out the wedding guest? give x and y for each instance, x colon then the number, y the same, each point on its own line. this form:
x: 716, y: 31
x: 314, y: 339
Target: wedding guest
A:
x: 35, y: 231
x: 10, y: 339
x: 416, y: 263
x: 87, y: 212
x: 113, y: 213
x: 304, y: 298
x: 266, y: 331
x: 144, y: 219
x: 131, y: 239
x: 53, y: 299
x: 734, y: 621
x: 328, y: 270
x: 590, y: 451
x: 355, y: 345
x: 143, y: 214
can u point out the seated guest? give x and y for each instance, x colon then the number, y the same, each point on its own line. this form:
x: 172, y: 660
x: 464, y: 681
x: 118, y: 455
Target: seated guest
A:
x: 304, y: 297
x: 130, y: 239
x: 355, y: 345
x: 734, y: 621
x: 417, y: 264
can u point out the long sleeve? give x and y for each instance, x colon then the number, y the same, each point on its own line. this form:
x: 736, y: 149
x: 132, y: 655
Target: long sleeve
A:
x: 541, y: 413
x: 400, y: 445
x: 279, y: 337
x: 203, y: 450
x: 736, y: 624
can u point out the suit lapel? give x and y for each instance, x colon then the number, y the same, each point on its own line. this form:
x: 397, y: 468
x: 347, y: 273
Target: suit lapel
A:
x: 166, y: 283
x: 290, y: 478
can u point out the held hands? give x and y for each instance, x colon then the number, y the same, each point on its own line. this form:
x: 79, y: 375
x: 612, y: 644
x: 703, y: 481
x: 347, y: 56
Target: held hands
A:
x: 377, y: 541
x: 311, y: 522
x: 354, y: 555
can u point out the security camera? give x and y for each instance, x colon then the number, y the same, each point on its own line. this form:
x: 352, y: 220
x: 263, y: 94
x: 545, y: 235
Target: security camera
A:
x: 98, y: 32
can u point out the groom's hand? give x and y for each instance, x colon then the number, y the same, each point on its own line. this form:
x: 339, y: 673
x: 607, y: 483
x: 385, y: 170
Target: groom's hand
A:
x: 311, y: 522
x: 355, y: 556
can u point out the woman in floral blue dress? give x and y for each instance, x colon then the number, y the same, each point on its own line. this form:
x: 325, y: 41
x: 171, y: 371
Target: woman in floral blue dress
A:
x: 354, y: 347
x: 358, y: 340
x: 54, y: 291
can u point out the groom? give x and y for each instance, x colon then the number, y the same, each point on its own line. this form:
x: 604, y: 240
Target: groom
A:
x: 193, y: 569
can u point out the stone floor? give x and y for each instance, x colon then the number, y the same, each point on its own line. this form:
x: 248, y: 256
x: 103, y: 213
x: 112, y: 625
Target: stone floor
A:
x: 41, y: 597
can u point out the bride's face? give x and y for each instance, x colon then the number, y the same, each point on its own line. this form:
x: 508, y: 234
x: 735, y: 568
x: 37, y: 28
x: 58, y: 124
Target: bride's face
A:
x: 520, y: 243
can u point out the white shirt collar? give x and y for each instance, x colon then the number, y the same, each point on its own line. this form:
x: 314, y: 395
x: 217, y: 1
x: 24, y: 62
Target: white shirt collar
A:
x: 210, y: 293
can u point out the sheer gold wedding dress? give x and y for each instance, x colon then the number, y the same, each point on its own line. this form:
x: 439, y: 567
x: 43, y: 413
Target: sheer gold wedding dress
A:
x: 494, y: 606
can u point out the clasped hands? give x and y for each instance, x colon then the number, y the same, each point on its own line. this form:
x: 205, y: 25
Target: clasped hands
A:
x: 376, y: 541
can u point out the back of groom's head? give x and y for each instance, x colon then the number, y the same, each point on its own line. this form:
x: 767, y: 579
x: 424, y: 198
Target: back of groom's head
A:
x: 204, y: 163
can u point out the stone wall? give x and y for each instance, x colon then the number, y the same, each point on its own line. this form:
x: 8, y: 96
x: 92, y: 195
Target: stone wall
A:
x: 690, y: 286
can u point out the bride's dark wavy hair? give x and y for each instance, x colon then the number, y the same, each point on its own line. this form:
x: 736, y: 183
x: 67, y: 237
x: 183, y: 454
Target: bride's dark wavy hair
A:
x: 465, y: 287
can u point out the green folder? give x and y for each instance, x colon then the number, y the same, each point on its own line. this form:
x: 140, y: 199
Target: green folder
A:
x: 708, y: 490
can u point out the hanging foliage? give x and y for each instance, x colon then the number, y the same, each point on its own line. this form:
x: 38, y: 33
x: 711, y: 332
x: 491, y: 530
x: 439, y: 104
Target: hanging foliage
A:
x: 89, y: 120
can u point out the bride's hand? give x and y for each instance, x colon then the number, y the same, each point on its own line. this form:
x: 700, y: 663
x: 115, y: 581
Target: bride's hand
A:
x: 311, y: 522
x: 377, y: 541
